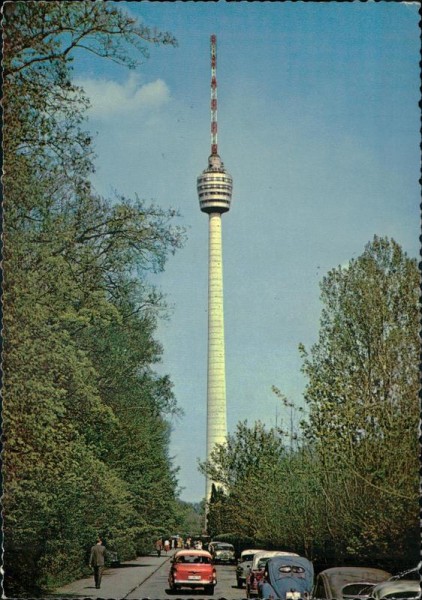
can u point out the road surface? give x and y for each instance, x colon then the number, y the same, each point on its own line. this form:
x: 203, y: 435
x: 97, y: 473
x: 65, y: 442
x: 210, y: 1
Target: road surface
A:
x: 146, y: 577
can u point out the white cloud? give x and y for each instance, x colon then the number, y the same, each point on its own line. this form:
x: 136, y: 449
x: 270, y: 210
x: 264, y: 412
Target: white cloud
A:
x: 111, y: 98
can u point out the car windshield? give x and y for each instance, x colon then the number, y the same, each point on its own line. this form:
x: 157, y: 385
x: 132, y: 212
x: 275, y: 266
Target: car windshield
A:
x: 262, y: 562
x: 223, y: 547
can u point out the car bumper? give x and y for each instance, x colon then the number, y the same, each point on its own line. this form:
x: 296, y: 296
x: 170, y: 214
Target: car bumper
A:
x: 194, y: 582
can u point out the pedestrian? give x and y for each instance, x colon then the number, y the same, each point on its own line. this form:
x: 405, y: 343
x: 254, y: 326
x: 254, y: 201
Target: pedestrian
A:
x: 96, y: 561
x: 166, y: 546
x: 159, y: 546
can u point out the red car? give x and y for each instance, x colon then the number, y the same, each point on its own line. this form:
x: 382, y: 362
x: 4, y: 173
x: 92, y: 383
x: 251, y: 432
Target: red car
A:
x: 192, y: 569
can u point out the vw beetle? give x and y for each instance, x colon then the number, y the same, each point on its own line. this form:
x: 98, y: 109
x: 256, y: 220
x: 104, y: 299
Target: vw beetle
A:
x: 347, y: 583
x: 287, y: 578
x: 256, y: 571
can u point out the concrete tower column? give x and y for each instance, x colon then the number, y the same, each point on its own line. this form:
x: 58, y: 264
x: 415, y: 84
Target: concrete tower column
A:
x: 216, y: 387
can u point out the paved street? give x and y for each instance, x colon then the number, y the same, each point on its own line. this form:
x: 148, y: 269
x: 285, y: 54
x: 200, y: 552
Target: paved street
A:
x: 146, y: 577
x: 117, y: 582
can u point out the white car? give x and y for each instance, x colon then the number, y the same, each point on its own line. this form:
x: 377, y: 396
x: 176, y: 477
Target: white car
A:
x: 222, y: 552
x: 398, y: 589
x: 244, y: 564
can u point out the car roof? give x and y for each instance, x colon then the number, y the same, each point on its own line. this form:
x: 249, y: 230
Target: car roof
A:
x: 269, y: 553
x: 291, y: 559
x: 397, y: 586
x: 223, y: 544
x: 192, y: 552
x: 337, y: 577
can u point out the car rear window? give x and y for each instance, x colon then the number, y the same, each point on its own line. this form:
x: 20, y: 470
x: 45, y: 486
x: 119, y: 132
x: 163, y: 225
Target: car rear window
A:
x: 291, y: 569
x: 202, y: 560
x: 357, y: 589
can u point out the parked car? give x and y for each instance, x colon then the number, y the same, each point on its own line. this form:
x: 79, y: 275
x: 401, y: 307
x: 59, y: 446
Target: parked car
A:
x: 398, y: 589
x: 244, y: 565
x: 111, y: 559
x: 347, y: 583
x: 222, y: 552
x: 287, y: 578
x: 192, y: 569
x: 256, y: 571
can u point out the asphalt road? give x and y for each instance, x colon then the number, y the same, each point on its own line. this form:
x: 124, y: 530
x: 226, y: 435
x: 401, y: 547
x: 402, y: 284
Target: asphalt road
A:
x: 146, y: 577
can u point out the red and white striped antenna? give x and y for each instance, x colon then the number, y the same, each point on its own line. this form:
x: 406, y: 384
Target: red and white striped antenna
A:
x: 214, y: 95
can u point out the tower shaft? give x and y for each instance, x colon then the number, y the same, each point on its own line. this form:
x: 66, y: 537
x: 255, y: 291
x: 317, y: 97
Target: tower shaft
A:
x: 216, y: 386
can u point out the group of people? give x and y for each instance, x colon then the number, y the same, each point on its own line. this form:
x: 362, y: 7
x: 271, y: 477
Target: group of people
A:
x: 165, y: 546
x: 175, y: 543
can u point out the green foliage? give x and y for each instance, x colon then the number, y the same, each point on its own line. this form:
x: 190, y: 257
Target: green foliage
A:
x: 362, y: 395
x: 346, y: 491
x: 85, y: 416
x: 190, y: 519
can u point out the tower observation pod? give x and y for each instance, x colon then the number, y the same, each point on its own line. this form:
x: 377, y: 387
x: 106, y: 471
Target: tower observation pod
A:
x: 214, y: 186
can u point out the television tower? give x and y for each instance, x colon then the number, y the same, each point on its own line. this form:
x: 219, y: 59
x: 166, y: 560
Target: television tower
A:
x: 214, y: 187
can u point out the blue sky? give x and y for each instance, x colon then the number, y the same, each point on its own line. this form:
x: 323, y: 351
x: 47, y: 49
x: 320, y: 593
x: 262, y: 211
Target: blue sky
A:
x: 318, y: 124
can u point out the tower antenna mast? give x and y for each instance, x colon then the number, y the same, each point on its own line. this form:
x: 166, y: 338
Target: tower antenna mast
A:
x: 214, y: 149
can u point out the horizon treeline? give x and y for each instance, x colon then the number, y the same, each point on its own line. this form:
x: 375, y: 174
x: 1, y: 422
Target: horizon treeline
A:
x: 85, y: 416
x: 343, y: 486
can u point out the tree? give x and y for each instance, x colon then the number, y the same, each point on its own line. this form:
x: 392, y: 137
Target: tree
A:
x: 346, y: 491
x: 76, y: 303
x: 249, y: 455
x: 362, y: 396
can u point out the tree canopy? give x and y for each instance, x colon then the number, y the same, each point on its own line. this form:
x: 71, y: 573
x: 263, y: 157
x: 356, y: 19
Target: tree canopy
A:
x: 347, y: 490
x: 85, y: 416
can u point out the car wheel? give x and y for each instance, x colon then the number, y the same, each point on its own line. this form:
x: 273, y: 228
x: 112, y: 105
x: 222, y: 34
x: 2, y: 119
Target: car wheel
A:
x: 209, y: 590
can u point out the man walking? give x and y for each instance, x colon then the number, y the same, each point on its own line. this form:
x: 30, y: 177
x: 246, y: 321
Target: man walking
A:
x: 96, y: 560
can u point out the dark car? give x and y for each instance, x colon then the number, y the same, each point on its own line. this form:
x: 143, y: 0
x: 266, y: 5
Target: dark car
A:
x: 287, y: 578
x: 347, y: 583
x: 111, y: 559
